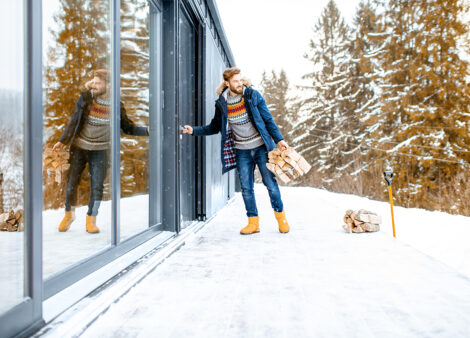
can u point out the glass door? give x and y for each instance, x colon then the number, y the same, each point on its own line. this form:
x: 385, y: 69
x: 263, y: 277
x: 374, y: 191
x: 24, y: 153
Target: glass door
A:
x: 188, y: 112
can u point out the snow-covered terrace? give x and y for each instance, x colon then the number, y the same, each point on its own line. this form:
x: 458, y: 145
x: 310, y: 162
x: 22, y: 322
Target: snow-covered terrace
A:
x: 316, y: 281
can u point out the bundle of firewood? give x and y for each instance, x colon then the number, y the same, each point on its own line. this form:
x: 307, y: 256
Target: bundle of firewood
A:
x: 11, y: 221
x: 56, y: 162
x: 361, y: 221
x: 287, y: 164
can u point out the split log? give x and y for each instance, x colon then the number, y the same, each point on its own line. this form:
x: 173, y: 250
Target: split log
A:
x: 287, y: 165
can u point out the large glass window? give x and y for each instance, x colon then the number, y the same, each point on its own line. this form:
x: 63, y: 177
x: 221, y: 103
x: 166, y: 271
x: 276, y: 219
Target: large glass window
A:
x: 11, y: 154
x: 140, y: 135
x: 77, y: 131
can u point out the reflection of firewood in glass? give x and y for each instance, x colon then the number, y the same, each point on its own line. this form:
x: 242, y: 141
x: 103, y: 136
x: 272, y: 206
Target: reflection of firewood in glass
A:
x: 56, y: 162
x: 11, y: 221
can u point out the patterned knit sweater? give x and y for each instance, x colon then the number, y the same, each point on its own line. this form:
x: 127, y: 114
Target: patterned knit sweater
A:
x: 245, y: 134
x: 96, y: 131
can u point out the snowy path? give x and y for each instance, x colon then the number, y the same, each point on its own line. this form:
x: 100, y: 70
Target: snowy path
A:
x: 316, y: 281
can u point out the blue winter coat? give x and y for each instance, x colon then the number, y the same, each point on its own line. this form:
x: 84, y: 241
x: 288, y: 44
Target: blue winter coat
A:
x: 259, y: 115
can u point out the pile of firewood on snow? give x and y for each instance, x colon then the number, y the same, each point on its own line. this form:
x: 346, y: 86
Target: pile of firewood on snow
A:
x: 361, y: 221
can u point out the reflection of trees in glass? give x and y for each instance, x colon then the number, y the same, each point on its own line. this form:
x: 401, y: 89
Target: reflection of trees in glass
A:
x: 81, y: 43
x: 11, y: 167
x: 11, y: 149
x: 11, y: 109
x: 135, y: 49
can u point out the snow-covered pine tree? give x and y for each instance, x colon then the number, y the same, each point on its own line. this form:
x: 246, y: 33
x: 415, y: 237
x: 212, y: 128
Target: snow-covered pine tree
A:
x: 275, y: 88
x: 367, y: 51
x: 80, y: 45
x: 367, y: 48
x: 324, y: 136
x: 425, y: 97
x: 135, y: 71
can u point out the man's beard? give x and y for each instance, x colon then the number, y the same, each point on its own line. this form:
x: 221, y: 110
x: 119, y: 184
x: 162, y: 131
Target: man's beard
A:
x: 237, y: 91
x: 98, y: 93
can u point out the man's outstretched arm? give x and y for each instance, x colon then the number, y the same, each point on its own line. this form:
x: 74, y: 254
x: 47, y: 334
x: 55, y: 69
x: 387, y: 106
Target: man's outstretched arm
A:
x: 211, y: 129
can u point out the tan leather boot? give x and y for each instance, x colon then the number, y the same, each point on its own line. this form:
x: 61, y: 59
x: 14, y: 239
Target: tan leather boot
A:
x: 252, y: 227
x: 281, y: 219
x: 67, y: 221
x: 91, y: 225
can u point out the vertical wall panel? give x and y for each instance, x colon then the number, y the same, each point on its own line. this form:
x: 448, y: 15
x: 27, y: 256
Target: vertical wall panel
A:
x: 217, y: 184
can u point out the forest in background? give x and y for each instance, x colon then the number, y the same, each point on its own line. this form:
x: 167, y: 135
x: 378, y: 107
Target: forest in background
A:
x: 388, y: 92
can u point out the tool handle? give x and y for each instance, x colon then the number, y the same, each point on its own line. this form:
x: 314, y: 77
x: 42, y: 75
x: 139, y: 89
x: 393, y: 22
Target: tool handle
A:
x: 388, y: 175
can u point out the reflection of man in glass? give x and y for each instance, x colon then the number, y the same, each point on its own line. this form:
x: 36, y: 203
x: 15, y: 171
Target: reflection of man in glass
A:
x: 89, y: 135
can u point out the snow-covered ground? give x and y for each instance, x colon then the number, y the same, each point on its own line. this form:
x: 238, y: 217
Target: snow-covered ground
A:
x: 437, y: 234
x: 367, y: 281
x: 316, y: 281
x: 11, y: 269
x: 63, y: 249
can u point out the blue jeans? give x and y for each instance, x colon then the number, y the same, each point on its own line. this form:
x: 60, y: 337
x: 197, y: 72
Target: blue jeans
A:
x: 246, y: 161
x: 97, y: 166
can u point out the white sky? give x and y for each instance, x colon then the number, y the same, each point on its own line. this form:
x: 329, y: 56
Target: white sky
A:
x: 262, y: 34
x: 274, y: 34
x: 11, y: 40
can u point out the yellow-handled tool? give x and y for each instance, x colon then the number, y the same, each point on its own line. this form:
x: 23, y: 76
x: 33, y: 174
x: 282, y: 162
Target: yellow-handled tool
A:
x: 388, y: 175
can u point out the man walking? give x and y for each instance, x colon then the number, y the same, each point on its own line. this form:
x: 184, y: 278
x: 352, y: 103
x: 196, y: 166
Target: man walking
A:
x: 248, y: 130
x: 89, y: 135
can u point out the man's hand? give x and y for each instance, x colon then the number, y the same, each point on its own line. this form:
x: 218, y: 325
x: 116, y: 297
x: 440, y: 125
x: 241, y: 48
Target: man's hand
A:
x: 282, y: 145
x: 187, y: 130
x: 57, y: 146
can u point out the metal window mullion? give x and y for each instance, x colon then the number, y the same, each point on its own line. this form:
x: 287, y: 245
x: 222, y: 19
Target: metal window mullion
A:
x: 159, y: 94
x: 115, y: 126
x: 177, y: 9
x: 202, y: 84
x: 155, y: 115
x: 33, y: 154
